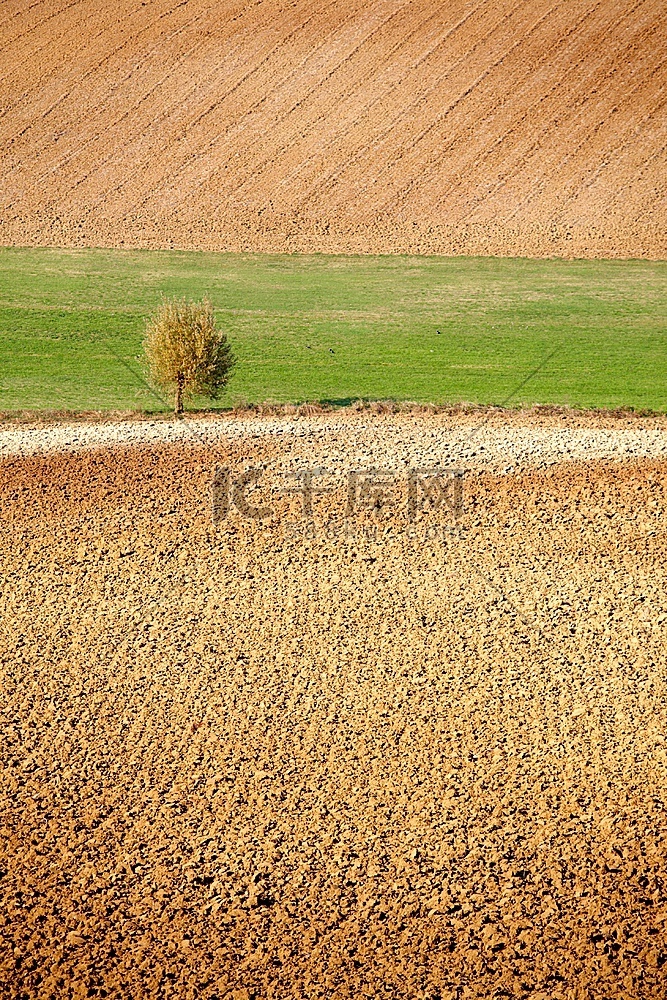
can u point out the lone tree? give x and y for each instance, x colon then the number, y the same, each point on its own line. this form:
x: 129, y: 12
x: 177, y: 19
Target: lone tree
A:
x: 187, y: 354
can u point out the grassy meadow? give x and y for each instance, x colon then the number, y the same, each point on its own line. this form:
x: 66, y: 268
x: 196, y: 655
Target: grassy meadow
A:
x: 339, y: 328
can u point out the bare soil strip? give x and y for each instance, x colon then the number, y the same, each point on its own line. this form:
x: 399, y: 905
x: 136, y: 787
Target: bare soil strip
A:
x: 495, y: 439
x: 259, y: 759
x: 524, y: 127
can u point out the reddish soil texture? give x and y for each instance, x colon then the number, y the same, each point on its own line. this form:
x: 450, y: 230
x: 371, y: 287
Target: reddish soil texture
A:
x: 237, y: 762
x: 518, y: 127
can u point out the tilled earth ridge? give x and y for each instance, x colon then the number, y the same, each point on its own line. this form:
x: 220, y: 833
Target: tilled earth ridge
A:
x: 520, y: 127
x: 250, y: 759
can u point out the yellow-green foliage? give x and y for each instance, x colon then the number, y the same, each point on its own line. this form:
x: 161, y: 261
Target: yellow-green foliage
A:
x: 187, y: 354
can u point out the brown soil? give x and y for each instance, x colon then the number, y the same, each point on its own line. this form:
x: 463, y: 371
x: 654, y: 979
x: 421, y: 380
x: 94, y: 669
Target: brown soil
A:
x: 239, y: 762
x: 526, y: 127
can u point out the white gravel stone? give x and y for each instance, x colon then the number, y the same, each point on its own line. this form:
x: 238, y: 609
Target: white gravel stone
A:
x: 389, y: 441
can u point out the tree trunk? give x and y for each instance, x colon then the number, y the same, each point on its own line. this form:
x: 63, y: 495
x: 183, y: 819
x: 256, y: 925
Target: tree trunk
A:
x: 178, y: 403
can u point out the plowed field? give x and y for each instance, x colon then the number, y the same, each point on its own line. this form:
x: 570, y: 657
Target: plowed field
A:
x: 526, y: 127
x: 245, y: 761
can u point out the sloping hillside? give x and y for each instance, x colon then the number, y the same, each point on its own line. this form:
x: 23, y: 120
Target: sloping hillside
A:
x: 511, y: 127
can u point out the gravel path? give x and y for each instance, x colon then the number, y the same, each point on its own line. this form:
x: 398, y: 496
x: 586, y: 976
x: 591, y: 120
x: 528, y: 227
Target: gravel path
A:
x: 395, y: 441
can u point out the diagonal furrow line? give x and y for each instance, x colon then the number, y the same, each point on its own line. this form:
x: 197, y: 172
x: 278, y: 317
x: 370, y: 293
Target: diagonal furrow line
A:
x: 333, y: 175
x: 534, y: 145
x: 119, y: 48
x: 202, y: 153
x: 138, y: 171
x: 313, y: 90
x: 396, y: 47
x: 188, y: 24
x: 28, y: 31
x: 432, y: 163
x: 316, y: 87
x: 18, y: 13
x: 412, y: 147
x: 101, y: 163
x: 590, y: 179
x: 453, y: 142
x: 95, y: 68
x: 255, y: 69
x: 164, y: 40
x: 52, y: 44
x: 572, y: 152
x: 590, y: 134
x: 25, y: 57
x: 660, y: 155
x: 408, y: 112
x: 193, y: 157
x: 516, y: 127
x: 641, y: 84
x: 403, y: 193
x: 366, y: 110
